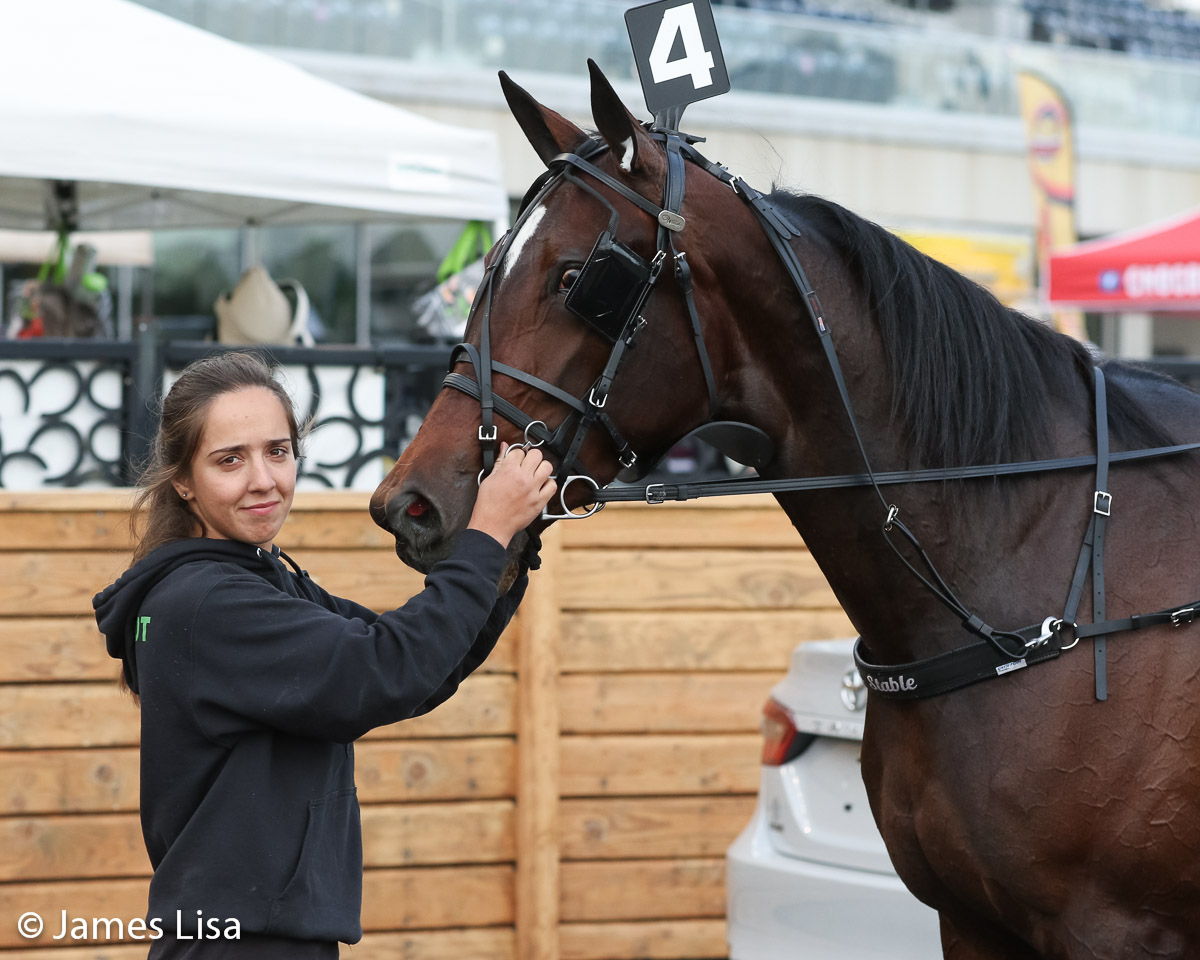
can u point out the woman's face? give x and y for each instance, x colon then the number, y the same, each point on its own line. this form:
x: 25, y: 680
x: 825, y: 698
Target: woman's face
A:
x: 243, y: 474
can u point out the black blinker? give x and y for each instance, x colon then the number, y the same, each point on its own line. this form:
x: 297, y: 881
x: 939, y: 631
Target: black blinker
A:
x: 608, y: 287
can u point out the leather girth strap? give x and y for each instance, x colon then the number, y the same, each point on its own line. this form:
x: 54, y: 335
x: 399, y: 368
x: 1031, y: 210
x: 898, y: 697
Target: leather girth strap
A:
x: 982, y: 660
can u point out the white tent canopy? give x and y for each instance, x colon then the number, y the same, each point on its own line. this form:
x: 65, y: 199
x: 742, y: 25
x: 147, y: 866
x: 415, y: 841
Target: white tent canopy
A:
x: 147, y: 122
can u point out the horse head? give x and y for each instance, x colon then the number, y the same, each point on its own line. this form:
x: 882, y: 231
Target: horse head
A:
x: 545, y: 352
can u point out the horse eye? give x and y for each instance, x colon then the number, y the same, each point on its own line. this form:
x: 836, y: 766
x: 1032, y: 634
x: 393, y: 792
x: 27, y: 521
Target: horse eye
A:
x: 570, y: 275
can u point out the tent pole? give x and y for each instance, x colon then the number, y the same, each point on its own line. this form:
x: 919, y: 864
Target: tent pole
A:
x: 362, y: 285
x: 125, y: 302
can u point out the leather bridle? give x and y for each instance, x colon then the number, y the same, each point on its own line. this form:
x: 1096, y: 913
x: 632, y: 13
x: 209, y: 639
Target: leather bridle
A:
x: 621, y: 326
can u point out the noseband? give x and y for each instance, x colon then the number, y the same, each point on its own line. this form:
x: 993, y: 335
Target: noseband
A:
x: 608, y: 295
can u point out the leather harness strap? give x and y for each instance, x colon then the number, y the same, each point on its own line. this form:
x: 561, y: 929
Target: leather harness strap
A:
x: 998, y: 652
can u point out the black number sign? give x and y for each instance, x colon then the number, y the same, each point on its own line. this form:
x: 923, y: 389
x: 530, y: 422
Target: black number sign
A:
x: 677, y: 52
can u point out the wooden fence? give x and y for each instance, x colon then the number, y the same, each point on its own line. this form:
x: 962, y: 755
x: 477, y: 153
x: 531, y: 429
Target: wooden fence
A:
x: 573, y: 801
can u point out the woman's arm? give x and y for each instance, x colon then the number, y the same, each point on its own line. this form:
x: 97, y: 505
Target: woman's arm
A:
x: 264, y: 659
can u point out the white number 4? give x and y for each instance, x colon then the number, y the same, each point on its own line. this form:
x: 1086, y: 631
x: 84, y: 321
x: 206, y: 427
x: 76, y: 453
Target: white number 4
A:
x: 695, y: 61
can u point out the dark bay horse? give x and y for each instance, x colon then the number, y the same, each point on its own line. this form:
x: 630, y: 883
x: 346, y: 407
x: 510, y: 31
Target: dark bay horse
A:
x: 1036, y: 820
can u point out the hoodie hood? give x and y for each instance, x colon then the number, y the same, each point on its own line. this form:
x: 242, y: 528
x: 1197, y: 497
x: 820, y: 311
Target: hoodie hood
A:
x: 117, y: 605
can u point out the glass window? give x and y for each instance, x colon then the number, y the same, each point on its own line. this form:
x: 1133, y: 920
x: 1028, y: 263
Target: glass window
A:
x: 404, y: 264
x: 321, y: 257
x: 191, y: 269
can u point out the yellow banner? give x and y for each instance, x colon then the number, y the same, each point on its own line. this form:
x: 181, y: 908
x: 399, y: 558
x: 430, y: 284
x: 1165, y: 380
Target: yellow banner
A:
x: 1050, y: 140
x: 1003, y: 264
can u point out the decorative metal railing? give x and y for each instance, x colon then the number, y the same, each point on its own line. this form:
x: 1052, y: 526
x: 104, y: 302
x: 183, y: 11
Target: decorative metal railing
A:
x: 81, y: 413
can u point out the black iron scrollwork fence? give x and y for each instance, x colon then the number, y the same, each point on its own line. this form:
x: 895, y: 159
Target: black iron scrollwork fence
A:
x: 82, y: 412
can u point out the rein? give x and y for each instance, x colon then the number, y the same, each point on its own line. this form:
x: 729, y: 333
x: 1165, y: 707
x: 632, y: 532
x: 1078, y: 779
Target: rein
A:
x: 609, y: 293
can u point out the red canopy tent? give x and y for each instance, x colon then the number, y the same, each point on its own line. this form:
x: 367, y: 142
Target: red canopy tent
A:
x: 1156, y: 267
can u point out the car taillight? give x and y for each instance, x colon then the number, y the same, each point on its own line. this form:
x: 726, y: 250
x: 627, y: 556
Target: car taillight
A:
x: 781, y: 741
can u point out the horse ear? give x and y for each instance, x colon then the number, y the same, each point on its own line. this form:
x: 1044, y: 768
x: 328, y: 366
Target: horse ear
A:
x: 550, y: 133
x: 620, y: 129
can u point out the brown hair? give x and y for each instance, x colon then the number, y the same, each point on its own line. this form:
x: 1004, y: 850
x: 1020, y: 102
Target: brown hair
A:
x: 164, y: 515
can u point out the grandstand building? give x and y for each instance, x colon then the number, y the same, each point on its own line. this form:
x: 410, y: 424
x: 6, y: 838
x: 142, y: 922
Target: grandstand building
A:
x: 903, y: 110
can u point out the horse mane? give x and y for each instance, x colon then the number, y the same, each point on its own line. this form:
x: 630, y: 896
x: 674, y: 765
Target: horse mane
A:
x: 969, y: 375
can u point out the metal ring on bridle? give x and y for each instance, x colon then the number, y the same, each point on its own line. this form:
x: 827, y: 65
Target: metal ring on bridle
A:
x: 526, y: 445
x: 567, y: 514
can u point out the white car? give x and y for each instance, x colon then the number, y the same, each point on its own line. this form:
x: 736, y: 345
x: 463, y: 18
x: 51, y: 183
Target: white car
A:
x: 809, y: 877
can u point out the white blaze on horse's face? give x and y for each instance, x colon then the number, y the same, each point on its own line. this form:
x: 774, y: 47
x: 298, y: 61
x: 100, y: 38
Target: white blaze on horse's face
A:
x: 522, y: 237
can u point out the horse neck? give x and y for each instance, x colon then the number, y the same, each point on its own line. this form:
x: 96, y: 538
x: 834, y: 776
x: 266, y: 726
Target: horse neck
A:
x: 843, y: 528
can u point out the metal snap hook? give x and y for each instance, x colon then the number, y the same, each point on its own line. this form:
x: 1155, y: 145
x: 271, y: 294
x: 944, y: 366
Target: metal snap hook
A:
x: 1050, y: 627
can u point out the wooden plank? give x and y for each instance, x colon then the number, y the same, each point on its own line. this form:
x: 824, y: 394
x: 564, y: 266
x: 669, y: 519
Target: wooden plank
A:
x: 642, y: 890
x: 112, y: 530
x: 642, y: 765
x: 68, y: 781
x: 394, y: 835
x: 475, y: 769
x: 401, y: 835
x: 106, y: 780
x: 626, y: 829
x: 72, y: 848
x: 419, y: 898
x: 44, y: 715
x: 484, y: 706
x: 41, y: 582
x: 65, y: 530
x: 97, y: 952
x: 40, y: 649
x: 538, y: 759
x: 74, y: 715
x: 646, y: 940
x: 434, y: 897
x: 694, y: 580
x: 600, y: 642
x: 691, y: 527
x: 492, y: 943
x: 334, y: 530
x: 121, y: 500
x: 662, y: 702
x: 125, y: 899
x: 46, y: 583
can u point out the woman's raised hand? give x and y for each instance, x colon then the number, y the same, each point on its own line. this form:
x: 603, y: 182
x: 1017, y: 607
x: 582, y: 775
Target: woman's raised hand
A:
x: 512, y: 496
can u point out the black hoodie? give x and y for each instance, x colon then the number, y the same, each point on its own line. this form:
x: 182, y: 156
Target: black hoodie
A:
x: 253, y: 683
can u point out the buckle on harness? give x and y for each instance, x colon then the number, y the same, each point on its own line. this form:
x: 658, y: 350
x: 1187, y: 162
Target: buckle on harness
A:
x: 660, y: 497
x: 1102, y: 503
x: 1182, y: 616
x: 485, y: 437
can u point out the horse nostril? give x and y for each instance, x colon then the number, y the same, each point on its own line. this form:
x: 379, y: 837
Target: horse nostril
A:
x: 418, y: 508
x: 414, y: 518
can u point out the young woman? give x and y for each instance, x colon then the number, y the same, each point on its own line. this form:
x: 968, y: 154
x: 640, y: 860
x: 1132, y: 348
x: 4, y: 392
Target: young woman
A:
x: 253, y: 682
